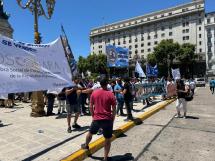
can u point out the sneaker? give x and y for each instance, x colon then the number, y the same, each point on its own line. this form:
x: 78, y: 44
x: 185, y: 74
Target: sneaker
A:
x: 177, y: 116
x: 84, y: 146
x: 76, y: 126
x: 69, y: 130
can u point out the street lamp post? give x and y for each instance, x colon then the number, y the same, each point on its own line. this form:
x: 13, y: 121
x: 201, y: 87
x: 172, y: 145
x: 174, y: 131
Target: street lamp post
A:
x: 37, y: 10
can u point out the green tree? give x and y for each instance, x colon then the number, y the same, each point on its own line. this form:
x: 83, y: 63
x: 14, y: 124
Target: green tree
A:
x: 82, y: 64
x: 166, y: 51
x: 187, y: 56
x: 151, y: 59
x: 95, y: 63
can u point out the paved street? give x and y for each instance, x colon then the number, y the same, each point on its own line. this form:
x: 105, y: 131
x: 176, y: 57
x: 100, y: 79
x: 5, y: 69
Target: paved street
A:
x: 25, y: 138
x: 165, y: 138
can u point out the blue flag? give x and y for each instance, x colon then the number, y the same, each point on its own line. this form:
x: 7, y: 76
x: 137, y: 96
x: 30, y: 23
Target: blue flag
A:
x: 151, y: 71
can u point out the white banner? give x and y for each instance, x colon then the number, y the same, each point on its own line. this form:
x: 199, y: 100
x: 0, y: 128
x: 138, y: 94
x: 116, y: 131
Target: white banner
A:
x: 32, y: 67
x: 176, y: 73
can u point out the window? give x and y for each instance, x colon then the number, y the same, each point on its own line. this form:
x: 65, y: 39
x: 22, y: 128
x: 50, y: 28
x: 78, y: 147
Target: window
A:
x: 100, y: 46
x: 208, y: 20
x: 200, y: 50
x: 136, y: 40
x: 200, y: 35
x: 163, y: 34
x: 183, y: 31
x: 108, y: 40
x: 149, y: 50
x: 200, y: 43
x: 118, y: 43
x: 142, y: 45
x: 187, y: 23
x: 162, y: 28
x: 136, y: 46
x: 124, y: 42
x: 200, y: 21
x: 170, y: 33
x: 100, y: 51
x: 187, y: 30
x: 130, y: 53
x: 200, y: 28
x: 130, y: 47
x: 155, y: 36
x: 155, y: 42
x: 186, y: 37
x: 149, y: 37
x: 170, y: 13
x: 136, y: 51
x: 148, y: 19
x: 149, y: 43
x: 142, y: 38
x: 162, y: 15
x: 142, y: 51
x: 184, y: 24
x: 130, y: 41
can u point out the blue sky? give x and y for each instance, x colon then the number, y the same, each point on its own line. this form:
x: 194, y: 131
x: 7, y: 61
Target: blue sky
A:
x: 79, y: 16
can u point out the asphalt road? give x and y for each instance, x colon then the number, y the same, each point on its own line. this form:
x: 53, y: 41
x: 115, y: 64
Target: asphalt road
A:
x: 165, y: 138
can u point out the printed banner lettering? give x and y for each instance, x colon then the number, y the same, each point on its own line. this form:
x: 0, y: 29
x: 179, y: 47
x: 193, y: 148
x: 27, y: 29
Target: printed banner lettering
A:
x: 28, y: 67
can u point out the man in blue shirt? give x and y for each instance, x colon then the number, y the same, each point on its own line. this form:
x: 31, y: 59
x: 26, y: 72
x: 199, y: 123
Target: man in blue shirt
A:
x: 212, y: 85
x: 119, y: 97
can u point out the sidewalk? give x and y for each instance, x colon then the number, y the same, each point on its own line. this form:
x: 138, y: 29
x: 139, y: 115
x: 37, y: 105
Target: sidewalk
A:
x: 25, y: 138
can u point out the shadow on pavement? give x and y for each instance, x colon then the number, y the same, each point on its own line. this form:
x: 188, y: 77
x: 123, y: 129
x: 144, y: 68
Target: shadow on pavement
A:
x: 52, y: 147
x: 61, y: 116
x: 2, y: 125
x: 83, y: 128
x: 125, y: 157
x: 192, y: 117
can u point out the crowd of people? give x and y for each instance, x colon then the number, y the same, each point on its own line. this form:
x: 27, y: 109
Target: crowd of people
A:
x: 103, y: 99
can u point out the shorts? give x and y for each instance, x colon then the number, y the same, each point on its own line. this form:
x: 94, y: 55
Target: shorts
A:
x: 72, y: 108
x: 105, y: 125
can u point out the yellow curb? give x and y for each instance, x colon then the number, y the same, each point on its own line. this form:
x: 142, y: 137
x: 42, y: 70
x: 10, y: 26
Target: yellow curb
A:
x: 99, y: 143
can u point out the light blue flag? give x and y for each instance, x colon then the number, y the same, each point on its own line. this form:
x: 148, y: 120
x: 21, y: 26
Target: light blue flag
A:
x: 139, y: 70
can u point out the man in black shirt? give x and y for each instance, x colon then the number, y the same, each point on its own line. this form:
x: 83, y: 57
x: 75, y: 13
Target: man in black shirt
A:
x: 72, y: 95
x: 127, y: 91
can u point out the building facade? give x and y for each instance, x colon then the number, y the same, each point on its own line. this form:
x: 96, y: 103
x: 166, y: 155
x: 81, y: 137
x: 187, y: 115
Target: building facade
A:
x: 182, y: 24
x: 210, y: 43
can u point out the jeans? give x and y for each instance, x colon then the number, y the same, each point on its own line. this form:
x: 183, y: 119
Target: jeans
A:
x: 120, y: 104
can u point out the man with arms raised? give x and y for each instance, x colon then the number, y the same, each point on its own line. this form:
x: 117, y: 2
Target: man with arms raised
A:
x: 103, y: 110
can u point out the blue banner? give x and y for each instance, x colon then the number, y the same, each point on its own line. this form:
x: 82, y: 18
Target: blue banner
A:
x: 151, y: 71
x: 117, y: 56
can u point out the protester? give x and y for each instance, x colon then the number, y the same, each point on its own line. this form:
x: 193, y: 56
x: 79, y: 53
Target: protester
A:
x: 181, y: 102
x: 192, y: 85
x: 73, y: 106
x: 119, y: 97
x: 212, y: 85
x: 61, y: 101
x: 51, y: 95
x: 128, y: 97
x: 103, y: 110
